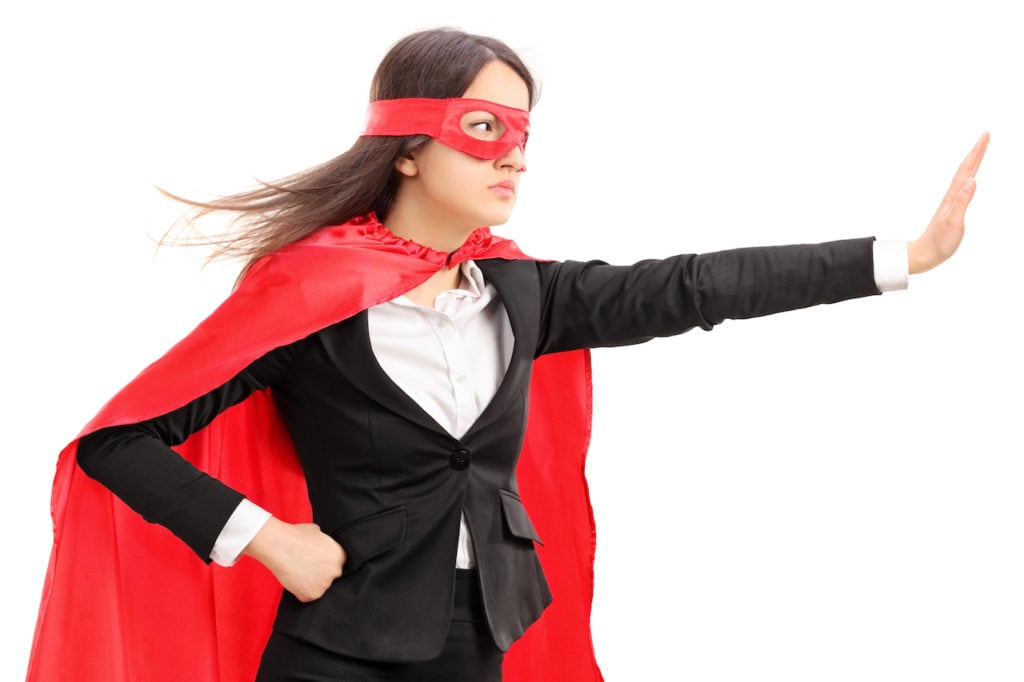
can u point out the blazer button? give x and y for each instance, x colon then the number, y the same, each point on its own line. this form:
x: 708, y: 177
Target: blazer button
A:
x: 460, y: 459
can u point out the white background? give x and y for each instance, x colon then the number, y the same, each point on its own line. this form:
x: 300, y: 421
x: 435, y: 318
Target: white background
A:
x: 831, y: 494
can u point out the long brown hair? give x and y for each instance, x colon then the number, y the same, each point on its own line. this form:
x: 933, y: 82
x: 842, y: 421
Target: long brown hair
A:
x: 438, y: 63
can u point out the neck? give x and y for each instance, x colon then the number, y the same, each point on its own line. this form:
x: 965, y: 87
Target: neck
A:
x: 425, y: 294
x: 438, y: 235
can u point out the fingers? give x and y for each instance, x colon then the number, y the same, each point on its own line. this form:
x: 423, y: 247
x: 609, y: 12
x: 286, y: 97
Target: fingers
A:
x: 972, y: 162
x: 955, y: 208
x: 961, y: 189
x: 965, y: 195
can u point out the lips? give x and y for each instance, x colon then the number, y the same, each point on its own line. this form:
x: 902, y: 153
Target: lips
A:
x: 506, y: 188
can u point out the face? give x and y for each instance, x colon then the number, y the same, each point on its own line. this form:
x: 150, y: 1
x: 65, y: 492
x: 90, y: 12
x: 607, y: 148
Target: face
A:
x: 444, y: 186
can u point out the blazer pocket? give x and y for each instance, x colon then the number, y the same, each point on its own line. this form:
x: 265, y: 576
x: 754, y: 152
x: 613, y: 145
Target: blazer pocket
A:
x: 516, y: 520
x: 370, y: 536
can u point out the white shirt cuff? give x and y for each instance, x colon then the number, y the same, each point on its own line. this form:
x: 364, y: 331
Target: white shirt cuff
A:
x: 891, y: 268
x: 242, y: 526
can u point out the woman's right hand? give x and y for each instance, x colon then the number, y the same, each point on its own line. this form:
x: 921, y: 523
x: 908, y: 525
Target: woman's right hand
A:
x: 304, y: 559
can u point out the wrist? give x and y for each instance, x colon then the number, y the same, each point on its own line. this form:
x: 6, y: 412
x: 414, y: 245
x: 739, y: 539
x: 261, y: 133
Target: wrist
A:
x: 263, y: 544
x: 916, y: 261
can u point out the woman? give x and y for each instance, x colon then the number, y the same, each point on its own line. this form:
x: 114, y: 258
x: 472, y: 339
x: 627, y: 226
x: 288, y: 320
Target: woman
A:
x: 397, y: 339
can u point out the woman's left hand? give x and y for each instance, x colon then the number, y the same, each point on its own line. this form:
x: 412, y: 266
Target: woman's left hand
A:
x: 943, y: 234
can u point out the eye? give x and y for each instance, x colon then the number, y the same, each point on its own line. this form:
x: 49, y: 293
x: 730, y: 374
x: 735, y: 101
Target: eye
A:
x: 482, y: 125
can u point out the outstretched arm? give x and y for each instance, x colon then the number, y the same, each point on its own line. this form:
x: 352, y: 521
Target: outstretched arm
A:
x: 943, y: 234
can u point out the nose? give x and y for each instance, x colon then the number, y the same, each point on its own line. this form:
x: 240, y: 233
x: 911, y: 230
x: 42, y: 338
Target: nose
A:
x: 514, y: 158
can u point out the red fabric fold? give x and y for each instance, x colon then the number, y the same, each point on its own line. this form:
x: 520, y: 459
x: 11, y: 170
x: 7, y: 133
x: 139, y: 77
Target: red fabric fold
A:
x: 126, y: 601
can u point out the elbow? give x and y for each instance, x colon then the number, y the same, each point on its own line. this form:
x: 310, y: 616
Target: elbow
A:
x: 97, y: 452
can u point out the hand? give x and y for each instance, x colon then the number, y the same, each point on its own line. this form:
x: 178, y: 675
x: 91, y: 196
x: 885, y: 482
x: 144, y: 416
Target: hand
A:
x: 302, y: 558
x: 943, y: 234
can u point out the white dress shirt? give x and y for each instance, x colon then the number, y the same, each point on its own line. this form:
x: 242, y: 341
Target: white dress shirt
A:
x: 451, y: 359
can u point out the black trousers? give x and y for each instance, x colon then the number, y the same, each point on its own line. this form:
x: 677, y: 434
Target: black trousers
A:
x: 469, y: 652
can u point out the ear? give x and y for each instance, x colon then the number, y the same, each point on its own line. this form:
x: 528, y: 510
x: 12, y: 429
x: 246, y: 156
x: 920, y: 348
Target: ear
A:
x: 406, y: 165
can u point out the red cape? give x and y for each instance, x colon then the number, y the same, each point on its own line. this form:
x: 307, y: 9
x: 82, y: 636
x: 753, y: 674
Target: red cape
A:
x: 126, y: 601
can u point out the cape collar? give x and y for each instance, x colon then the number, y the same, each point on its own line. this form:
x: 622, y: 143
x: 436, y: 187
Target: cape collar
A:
x: 478, y: 245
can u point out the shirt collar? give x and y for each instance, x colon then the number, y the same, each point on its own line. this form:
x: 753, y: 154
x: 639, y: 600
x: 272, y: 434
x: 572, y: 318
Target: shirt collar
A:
x: 472, y: 280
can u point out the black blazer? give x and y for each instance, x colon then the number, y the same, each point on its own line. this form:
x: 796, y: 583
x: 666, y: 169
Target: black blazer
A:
x: 390, y: 484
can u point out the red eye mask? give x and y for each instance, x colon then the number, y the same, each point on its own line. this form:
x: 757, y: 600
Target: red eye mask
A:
x: 476, y: 127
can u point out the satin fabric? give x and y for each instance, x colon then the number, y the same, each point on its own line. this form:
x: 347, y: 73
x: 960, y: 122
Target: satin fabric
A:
x: 126, y: 601
x: 441, y: 119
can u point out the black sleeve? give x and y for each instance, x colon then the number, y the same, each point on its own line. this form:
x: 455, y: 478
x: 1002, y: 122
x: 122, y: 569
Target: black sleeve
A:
x: 593, y: 304
x: 137, y: 462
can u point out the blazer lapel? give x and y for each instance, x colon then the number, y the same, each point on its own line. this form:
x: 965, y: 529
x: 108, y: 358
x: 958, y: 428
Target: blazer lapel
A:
x: 348, y: 345
x: 521, y: 300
